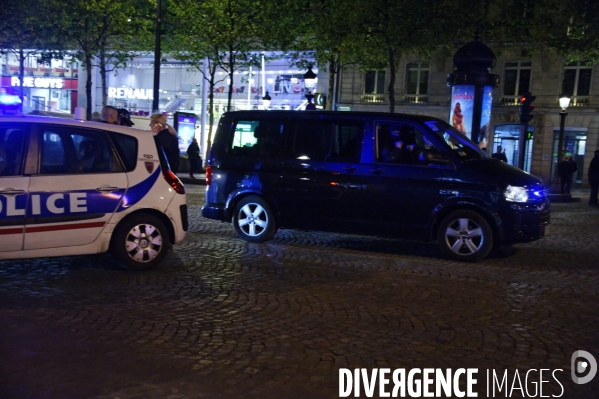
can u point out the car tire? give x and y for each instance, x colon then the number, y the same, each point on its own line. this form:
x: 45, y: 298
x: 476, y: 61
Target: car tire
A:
x: 254, y: 220
x: 465, y: 235
x: 140, y: 242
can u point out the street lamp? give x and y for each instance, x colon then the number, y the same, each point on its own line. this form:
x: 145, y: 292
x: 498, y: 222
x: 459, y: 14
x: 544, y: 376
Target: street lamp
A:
x: 309, y: 82
x: 266, y: 101
x: 564, y: 102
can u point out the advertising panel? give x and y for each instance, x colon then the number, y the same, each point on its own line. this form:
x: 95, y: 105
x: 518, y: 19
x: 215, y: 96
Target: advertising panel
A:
x: 485, y: 119
x: 185, y: 124
x: 462, y: 106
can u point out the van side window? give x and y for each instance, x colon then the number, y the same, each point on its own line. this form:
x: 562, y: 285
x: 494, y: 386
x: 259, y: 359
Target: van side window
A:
x: 401, y: 144
x: 257, y: 138
x: 325, y: 140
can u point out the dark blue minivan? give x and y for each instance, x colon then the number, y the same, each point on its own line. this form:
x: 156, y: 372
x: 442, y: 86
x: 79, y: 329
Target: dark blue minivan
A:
x: 407, y: 176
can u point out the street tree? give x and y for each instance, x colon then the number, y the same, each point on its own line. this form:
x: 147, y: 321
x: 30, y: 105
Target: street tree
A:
x: 387, y: 29
x: 27, y: 31
x: 99, y: 32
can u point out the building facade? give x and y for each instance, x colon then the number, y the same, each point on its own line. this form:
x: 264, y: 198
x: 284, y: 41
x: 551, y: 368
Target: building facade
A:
x: 421, y: 88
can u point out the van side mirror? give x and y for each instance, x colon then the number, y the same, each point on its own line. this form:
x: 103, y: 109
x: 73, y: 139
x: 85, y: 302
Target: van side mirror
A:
x: 432, y: 155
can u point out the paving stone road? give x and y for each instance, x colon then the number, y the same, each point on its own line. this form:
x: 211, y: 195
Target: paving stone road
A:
x: 222, y: 318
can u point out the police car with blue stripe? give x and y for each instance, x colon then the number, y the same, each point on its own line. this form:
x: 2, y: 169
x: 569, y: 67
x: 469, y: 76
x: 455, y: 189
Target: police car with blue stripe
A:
x: 73, y: 187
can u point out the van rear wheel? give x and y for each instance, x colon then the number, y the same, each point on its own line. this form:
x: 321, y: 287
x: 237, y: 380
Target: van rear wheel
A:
x: 465, y: 236
x: 253, y: 220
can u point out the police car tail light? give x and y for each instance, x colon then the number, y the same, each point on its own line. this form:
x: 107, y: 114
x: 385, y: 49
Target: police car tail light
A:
x: 173, y: 181
x: 208, y: 175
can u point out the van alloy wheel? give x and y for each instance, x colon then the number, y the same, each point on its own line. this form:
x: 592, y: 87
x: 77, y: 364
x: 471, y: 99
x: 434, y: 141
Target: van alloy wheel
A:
x: 253, y: 220
x: 465, y: 236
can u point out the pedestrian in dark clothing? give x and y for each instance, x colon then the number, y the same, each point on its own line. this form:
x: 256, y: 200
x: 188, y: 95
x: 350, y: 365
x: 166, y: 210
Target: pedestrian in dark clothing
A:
x: 168, y: 140
x: 594, y: 178
x: 110, y: 115
x: 125, y: 117
x: 573, y: 168
x: 195, y: 160
x: 499, y: 154
x: 564, y: 169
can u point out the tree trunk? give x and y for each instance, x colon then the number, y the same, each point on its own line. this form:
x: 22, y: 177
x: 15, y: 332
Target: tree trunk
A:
x: 231, y: 64
x: 103, y: 76
x: 88, y: 85
x: 21, y: 73
x: 333, y: 74
x: 392, y: 69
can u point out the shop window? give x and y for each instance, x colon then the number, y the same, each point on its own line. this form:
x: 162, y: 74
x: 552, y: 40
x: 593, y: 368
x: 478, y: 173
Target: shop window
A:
x: 516, y: 79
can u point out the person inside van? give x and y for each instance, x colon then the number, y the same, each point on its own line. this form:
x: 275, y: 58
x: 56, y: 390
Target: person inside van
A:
x: 406, y: 151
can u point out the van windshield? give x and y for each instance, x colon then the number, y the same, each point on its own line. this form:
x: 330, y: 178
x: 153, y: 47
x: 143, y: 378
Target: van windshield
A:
x: 456, y: 141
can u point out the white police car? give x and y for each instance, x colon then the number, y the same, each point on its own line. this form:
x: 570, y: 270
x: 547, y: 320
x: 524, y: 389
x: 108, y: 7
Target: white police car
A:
x: 72, y: 187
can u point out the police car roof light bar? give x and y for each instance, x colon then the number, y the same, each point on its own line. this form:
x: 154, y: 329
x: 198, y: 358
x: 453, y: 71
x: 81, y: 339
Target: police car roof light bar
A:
x: 10, y: 104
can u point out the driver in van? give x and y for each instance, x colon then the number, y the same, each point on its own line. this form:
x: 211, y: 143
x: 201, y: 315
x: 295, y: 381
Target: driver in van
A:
x: 405, y: 151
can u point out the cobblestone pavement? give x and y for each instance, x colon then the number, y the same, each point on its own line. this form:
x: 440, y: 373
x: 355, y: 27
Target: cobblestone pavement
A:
x: 222, y: 318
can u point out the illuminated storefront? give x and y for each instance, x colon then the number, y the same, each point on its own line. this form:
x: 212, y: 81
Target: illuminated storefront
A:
x: 50, y: 88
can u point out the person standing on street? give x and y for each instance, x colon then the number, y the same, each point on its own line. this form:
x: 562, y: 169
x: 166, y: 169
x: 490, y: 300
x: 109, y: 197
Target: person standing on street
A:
x: 168, y: 140
x: 564, y: 169
x: 195, y: 160
x: 594, y: 178
x: 500, y: 154
x: 110, y: 115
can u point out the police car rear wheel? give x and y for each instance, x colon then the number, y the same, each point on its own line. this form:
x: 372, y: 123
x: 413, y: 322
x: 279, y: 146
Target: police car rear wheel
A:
x: 140, y: 242
x: 253, y: 220
x: 465, y: 236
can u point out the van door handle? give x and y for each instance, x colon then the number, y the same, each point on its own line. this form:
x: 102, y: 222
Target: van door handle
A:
x: 11, y: 191
x: 350, y: 168
x: 376, y: 171
x: 107, y: 189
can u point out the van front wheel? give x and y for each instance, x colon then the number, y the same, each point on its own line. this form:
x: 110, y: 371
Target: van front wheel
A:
x: 465, y: 236
x: 253, y: 220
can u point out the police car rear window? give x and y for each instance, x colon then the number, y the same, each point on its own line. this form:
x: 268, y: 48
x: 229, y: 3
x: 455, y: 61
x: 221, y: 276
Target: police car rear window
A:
x: 126, y: 146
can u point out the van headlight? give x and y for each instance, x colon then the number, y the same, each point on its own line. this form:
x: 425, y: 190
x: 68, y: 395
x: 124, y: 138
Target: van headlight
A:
x: 516, y: 194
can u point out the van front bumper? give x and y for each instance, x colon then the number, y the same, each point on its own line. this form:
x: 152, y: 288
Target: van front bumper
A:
x: 526, y: 222
x: 215, y: 212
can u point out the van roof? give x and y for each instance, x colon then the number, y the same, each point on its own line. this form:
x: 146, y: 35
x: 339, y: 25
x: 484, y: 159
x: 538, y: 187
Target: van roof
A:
x: 341, y: 114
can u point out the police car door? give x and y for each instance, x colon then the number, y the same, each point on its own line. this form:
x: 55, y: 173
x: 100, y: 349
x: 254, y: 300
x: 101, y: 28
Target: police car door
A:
x: 13, y: 186
x: 79, y: 185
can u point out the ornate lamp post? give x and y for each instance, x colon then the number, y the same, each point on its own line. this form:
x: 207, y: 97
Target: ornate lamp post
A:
x: 266, y: 101
x: 309, y: 82
x: 564, y: 102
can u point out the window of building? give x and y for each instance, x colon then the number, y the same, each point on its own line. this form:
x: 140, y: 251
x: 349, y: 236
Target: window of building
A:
x: 577, y: 79
x: 374, y: 82
x: 417, y: 78
x: 516, y: 78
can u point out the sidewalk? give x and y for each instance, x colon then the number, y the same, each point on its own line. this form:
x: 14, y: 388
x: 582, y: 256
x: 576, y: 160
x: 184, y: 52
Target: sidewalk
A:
x: 200, y: 178
x: 576, y: 195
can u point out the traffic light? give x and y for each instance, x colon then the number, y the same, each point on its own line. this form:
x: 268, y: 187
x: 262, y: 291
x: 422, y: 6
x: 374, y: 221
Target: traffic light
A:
x: 526, y: 107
